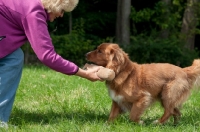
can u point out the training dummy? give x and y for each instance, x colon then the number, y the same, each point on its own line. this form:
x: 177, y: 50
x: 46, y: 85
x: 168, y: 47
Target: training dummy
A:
x: 103, y: 73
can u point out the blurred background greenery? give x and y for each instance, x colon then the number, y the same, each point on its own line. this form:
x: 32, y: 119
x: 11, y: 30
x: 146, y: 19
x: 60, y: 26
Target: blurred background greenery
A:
x: 149, y: 31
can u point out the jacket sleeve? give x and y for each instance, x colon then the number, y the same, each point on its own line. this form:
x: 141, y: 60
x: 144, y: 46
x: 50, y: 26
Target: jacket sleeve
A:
x: 36, y: 30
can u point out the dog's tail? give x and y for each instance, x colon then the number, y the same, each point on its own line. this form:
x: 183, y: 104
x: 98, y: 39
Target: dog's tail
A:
x: 193, y: 73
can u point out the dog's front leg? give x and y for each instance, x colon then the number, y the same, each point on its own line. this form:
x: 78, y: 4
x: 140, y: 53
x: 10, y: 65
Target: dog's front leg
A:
x: 115, y: 111
x: 137, y: 109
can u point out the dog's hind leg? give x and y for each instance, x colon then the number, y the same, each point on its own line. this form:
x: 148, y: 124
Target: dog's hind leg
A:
x: 168, y: 111
x: 164, y: 118
x: 173, y: 95
x: 176, y: 115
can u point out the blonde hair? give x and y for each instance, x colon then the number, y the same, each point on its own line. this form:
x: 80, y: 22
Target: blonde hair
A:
x: 59, y: 5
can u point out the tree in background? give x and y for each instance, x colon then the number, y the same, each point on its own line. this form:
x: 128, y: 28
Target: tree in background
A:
x: 123, y: 22
x: 145, y: 27
x: 157, y: 31
x: 189, y: 24
x: 164, y: 30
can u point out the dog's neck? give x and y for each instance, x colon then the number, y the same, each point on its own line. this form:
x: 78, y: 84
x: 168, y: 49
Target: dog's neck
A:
x: 122, y: 74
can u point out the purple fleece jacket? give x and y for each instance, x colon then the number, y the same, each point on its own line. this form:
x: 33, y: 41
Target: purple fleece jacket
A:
x: 22, y: 20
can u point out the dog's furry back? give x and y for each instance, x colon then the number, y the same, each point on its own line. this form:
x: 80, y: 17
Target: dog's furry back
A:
x: 121, y: 60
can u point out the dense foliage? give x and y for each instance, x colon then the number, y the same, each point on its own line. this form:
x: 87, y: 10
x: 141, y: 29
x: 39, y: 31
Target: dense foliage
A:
x: 94, y: 22
x: 147, y: 49
x: 144, y: 49
x: 72, y: 47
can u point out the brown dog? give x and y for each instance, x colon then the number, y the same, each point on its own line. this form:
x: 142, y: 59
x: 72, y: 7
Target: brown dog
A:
x: 136, y: 86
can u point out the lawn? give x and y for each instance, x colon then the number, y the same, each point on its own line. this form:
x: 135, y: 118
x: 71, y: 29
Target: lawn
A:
x: 48, y: 101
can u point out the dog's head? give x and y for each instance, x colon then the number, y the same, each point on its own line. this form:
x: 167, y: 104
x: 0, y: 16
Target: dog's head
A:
x: 108, y: 55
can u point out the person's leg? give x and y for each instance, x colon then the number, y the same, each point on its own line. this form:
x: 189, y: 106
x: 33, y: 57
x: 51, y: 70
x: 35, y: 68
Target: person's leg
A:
x: 10, y: 74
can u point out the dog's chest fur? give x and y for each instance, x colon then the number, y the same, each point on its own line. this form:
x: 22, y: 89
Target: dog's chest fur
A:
x: 117, y: 98
x: 120, y: 99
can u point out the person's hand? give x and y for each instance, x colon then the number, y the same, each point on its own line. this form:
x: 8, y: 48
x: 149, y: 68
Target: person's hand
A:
x: 90, y: 74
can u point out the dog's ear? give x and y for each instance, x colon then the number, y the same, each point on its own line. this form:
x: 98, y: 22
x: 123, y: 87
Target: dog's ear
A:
x: 115, y: 46
x: 116, y: 56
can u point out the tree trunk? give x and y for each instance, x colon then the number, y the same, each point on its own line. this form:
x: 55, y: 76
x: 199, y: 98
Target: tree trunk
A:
x: 189, y: 23
x: 123, y: 22
x: 118, y: 22
x: 165, y: 32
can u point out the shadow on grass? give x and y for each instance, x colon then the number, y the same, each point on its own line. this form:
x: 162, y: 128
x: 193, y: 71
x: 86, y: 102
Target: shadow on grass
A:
x: 188, y: 117
x: 22, y: 117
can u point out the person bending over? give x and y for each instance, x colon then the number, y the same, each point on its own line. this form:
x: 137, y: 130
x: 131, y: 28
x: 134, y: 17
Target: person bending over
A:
x: 26, y: 20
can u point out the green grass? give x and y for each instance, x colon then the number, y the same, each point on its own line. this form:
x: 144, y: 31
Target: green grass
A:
x: 48, y: 101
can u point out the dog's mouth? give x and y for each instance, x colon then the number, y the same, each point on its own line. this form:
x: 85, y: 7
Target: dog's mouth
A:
x: 98, y: 64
